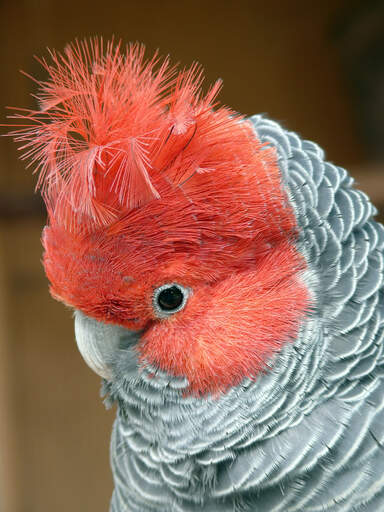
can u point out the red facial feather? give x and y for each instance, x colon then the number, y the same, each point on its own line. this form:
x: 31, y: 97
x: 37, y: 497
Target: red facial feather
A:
x: 145, y: 184
x: 230, y: 329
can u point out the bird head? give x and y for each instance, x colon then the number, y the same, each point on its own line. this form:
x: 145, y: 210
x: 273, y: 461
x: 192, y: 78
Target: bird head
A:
x: 167, y: 217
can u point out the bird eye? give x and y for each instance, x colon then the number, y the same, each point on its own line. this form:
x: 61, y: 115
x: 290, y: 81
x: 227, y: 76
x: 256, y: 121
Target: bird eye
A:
x: 169, y: 298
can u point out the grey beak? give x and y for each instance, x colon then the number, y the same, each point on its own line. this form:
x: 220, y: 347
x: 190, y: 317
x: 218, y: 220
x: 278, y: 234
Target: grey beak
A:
x: 98, y: 343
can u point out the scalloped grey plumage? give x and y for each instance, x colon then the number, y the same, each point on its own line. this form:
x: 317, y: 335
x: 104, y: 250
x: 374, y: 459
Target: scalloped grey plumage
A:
x: 308, y: 435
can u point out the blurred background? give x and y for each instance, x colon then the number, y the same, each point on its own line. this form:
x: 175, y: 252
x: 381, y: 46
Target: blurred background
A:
x: 317, y: 67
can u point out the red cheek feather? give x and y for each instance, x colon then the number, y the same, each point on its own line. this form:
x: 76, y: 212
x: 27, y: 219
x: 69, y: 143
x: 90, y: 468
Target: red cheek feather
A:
x: 229, y: 331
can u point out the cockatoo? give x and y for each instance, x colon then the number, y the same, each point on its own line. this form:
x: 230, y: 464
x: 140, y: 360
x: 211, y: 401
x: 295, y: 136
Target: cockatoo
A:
x: 227, y: 284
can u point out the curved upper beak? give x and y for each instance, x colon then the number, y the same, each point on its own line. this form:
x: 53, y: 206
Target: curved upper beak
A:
x: 98, y: 343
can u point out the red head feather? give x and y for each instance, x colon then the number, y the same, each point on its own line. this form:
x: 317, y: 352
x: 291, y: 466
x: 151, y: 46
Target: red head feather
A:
x: 145, y: 184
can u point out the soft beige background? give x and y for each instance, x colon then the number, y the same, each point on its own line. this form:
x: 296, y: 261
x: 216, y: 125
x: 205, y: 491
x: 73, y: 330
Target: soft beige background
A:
x: 275, y: 57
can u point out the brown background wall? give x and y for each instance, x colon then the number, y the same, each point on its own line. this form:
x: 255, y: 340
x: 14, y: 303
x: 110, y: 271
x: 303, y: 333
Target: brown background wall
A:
x: 274, y: 57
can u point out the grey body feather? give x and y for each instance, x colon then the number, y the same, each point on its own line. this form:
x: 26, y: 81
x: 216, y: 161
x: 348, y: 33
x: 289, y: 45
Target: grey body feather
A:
x: 308, y: 435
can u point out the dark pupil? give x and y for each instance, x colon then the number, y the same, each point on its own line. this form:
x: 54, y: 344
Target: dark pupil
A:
x: 170, y: 298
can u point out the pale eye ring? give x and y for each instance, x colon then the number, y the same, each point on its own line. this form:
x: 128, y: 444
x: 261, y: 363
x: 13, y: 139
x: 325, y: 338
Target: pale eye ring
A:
x: 169, y: 299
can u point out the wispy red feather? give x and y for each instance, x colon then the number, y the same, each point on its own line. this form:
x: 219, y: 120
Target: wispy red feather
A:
x: 109, y: 122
